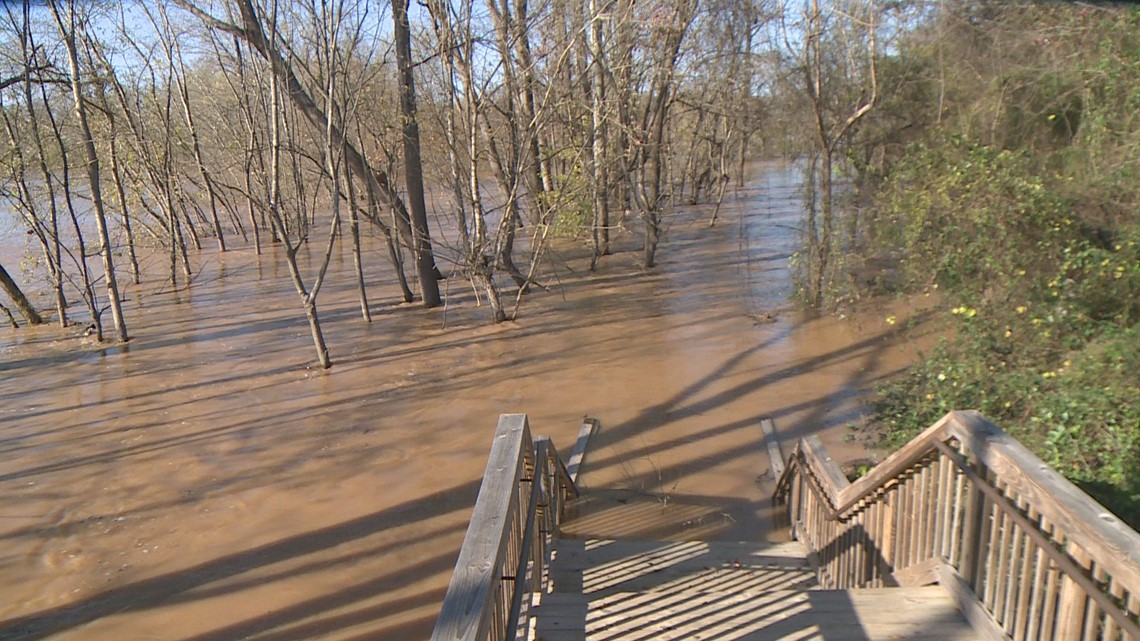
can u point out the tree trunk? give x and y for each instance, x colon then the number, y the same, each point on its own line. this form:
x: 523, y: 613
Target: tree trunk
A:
x: 53, y: 251
x: 826, y: 225
x: 68, y: 33
x: 601, y: 226
x: 13, y: 290
x: 413, y: 168
x: 357, y: 259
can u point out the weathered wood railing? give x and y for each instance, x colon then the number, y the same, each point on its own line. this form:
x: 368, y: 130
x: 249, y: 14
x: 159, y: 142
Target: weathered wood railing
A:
x: 1026, y: 553
x: 505, y: 552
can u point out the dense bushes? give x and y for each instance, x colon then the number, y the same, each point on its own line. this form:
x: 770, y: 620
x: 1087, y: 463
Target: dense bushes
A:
x: 1044, y: 314
x: 1035, y: 249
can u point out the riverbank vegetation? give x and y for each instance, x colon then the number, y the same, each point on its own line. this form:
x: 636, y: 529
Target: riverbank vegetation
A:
x: 1000, y: 173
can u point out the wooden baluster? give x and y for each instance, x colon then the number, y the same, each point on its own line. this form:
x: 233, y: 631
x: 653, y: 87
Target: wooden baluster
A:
x: 906, y: 513
x: 942, y: 507
x: 1050, y: 617
x: 1071, y: 609
x: 870, y: 551
x: 1133, y: 608
x: 990, y: 575
x: 934, y: 507
x: 843, y: 552
x: 890, y: 534
x: 1093, y: 615
x: 958, y: 522
x: 835, y: 534
x: 973, y: 532
x: 900, y: 525
x: 1002, y: 574
x: 866, y: 543
x: 834, y: 537
x: 863, y: 568
x: 882, y: 539
x: 1032, y: 574
x: 795, y: 507
x: 1018, y: 566
x: 921, y: 514
x: 1112, y: 630
x: 914, y: 533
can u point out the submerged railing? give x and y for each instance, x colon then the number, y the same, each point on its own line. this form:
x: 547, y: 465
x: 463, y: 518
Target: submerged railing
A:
x: 1027, y: 555
x: 505, y: 553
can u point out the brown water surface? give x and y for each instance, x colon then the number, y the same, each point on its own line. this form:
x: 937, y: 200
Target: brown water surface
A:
x: 206, y: 483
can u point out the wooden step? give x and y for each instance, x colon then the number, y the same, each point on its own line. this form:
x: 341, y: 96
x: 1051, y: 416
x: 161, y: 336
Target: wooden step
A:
x: 600, y: 567
x: 788, y: 615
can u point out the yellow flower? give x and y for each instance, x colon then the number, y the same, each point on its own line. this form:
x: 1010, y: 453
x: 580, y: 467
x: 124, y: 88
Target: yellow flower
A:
x: 1021, y: 309
x: 941, y: 376
x: 891, y: 320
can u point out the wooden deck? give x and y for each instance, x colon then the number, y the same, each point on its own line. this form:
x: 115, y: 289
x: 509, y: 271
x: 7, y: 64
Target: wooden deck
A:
x: 643, y: 590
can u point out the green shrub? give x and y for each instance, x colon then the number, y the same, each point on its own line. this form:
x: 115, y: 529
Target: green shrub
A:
x: 1042, y: 311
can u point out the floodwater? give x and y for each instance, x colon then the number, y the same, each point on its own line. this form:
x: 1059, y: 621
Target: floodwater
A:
x: 207, y: 483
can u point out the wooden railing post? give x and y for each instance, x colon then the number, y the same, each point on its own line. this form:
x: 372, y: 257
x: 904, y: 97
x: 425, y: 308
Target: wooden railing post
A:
x: 887, y: 536
x: 973, y: 541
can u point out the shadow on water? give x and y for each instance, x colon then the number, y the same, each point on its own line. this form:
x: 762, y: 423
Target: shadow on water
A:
x: 195, y: 582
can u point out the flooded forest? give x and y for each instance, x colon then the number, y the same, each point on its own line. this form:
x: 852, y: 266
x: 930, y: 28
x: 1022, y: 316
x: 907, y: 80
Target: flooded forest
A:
x: 271, y: 269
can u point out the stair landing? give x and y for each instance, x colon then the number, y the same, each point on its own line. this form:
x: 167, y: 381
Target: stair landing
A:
x: 646, y: 590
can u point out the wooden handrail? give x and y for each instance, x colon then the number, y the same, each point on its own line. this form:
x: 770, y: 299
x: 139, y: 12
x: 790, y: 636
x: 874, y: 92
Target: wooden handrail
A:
x: 1043, y: 559
x: 520, y: 504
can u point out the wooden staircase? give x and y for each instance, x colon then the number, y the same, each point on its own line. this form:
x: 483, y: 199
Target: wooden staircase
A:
x: 641, y: 590
x: 961, y: 534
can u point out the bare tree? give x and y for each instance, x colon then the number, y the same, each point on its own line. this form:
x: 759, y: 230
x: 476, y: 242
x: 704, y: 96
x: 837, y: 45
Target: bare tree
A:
x: 252, y: 31
x: 822, y: 61
x: 413, y: 170
x: 67, y: 29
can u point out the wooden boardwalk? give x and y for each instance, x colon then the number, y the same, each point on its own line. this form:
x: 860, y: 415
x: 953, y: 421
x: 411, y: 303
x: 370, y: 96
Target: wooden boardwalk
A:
x: 644, y: 590
x: 961, y: 534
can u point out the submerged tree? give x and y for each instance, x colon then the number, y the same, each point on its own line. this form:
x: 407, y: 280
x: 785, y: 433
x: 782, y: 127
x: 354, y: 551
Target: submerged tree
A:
x: 66, y: 22
x: 832, y: 58
x: 23, y: 305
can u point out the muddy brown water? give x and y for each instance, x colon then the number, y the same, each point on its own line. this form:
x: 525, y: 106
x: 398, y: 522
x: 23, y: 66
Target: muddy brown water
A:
x: 206, y: 483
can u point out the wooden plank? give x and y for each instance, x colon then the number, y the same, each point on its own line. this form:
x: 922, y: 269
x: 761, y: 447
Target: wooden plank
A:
x: 775, y: 456
x: 475, y: 581
x: 923, y: 613
x: 870, y: 602
x: 968, y: 604
x: 919, y: 574
x: 597, y: 567
x: 576, y: 553
x: 588, y: 428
